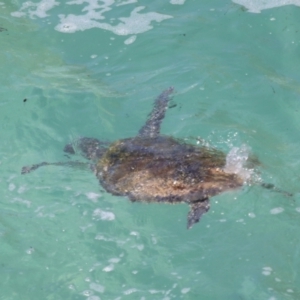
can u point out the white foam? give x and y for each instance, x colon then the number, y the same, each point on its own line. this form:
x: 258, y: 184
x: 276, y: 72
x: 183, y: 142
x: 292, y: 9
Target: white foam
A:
x: 87, y: 293
x: 130, y: 40
x: 135, y: 233
x: 140, y: 247
x: 108, y: 268
x: 103, y: 238
x: 22, y: 189
x: 277, y: 279
x: 97, y: 287
x: 11, y: 187
x: 93, y: 196
x: 177, y: 2
x: 84, y: 228
x: 136, y: 23
x: 236, y: 160
x: 33, y: 9
x: 22, y: 201
x: 93, y: 15
x: 93, y: 297
x: 154, y: 292
x: 103, y: 215
x: 256, y: 6
x: 276, y: 210
x: 154, y: 240
x: 185, y: 290
x: 126, y: 2
x: 114, y: 260
x: 130, y: 291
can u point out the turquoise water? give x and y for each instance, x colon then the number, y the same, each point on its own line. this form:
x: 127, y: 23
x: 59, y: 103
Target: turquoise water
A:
x: 93, y: 68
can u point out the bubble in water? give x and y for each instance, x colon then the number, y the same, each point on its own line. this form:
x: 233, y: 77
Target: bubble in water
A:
x: 236, y: 160
x: 267, y: 271
x: 30, y: 250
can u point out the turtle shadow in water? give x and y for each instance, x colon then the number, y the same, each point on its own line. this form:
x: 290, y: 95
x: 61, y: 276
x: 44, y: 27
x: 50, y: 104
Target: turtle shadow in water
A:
x: 156, y: 168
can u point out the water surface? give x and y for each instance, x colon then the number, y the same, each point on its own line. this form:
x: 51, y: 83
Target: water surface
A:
x: 92, y: 68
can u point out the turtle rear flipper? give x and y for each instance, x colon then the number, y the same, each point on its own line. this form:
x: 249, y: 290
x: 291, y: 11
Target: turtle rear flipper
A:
x: 152, y: 125
x: 272, y: 187
x: 90, y: 148
x: 197, y: 209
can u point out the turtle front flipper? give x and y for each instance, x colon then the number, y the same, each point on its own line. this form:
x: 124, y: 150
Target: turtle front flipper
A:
x: 197, y: 209
x: 89, y: 148
x: 152, y: 126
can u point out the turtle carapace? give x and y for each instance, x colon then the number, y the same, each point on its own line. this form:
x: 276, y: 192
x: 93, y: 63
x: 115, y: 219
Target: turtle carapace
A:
x: 156, y: 168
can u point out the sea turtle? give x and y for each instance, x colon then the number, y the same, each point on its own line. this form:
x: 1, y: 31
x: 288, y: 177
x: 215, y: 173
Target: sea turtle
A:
x: 156, y: 168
